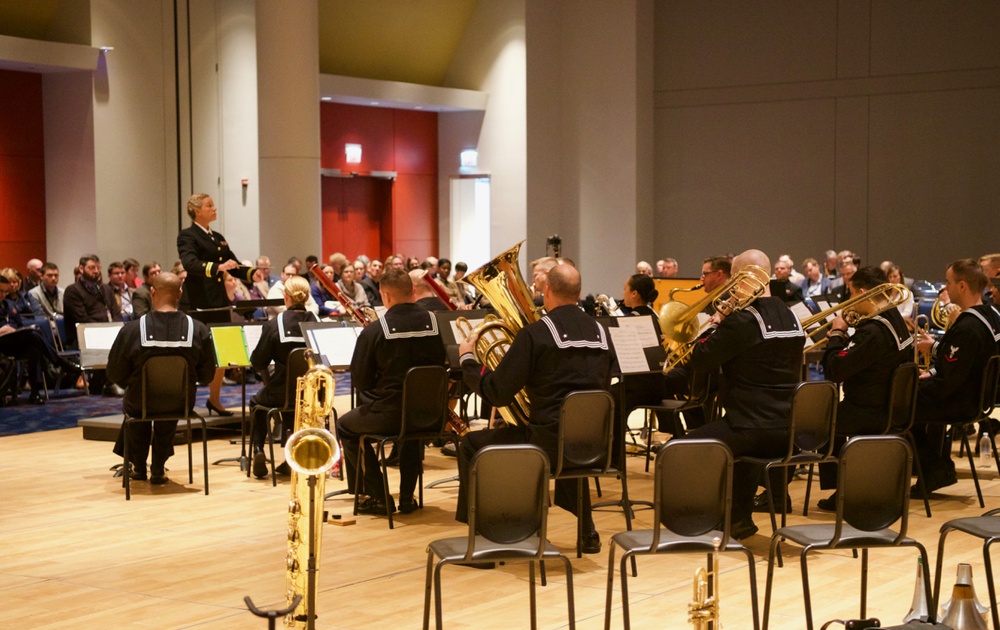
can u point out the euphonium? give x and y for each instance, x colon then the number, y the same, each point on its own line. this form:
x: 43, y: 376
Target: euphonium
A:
x: 310, y: 452
x: 679, y: 322
x: 892, y: 294
x: 703, y: 611
x: 501, y: 282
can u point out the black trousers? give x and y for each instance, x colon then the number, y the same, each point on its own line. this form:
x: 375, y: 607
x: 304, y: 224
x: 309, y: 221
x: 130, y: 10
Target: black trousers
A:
x: 28, y: 344
x: 160, y: 433
x: 362, y: 420
x: 542, y: 437
x: 260, y: 405
x: 753, y: 442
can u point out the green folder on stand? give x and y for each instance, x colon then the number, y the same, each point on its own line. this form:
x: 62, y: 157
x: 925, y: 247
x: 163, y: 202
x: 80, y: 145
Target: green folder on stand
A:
x: 230, y: 346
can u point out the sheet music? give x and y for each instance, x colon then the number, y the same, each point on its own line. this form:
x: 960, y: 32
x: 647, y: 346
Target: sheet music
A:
x: 801, y: 310
x: 100, y: 337
x: 252, y: 333
x: 628, y: 349
x: 458, y: 334
x: 642, y: 328
x: 822, y: 305
x: 335, y: 345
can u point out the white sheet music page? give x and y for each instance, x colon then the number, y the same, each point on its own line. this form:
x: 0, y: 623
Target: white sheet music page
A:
x: 458, y: 334
x: 628, y: 349
x: 101, y: 337
x: 251, y: 332
x: 335, y: 344
x: 642, y: 327
x: 801, y: 310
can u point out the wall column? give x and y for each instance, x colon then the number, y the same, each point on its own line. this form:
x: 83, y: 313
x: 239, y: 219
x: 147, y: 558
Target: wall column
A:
x: 288, y: 126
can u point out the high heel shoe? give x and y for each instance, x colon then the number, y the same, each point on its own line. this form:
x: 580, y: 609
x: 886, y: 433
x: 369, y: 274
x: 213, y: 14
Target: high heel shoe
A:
x: 224, y: 413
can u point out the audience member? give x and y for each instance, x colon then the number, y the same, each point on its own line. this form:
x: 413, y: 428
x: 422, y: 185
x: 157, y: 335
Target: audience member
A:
x: 793, y: 276
x: 371, y: 282
x: 782, y: 287
x: 121, y: 289
x: 644, y: 268
x: 33, y: 277
x: 277, y: 292
x: 132, y: 279
x: 351, y: 288
x: 815, y: 282
x: 47, y: 298
x: 666, y: 268
x: 142, y: 299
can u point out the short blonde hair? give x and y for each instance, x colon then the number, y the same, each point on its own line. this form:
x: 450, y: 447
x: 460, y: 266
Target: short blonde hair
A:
x: 297, y: 290
x: 194, y: 202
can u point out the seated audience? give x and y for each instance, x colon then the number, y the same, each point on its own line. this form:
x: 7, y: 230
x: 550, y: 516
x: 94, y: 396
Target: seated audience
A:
x: 47, y: 298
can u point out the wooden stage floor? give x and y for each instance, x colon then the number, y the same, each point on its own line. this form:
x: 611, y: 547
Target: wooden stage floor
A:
x: 76, y: 555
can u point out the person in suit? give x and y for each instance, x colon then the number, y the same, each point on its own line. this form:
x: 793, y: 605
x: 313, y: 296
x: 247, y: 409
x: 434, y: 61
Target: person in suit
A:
x: 815, y: 282
x: 782, y: 285
x: 206, y: 257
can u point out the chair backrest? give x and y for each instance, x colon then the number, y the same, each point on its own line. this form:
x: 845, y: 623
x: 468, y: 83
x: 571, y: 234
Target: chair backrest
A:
x: 903, y: 398
x: 508, y: 495
x: 873, y: 487
x: 988, y: 393
x: 693, y: 488
x: 165, y: 388
x: 814, y: 418
x: 586, y: 426
x: 425, y: 399
x: 295, y: 368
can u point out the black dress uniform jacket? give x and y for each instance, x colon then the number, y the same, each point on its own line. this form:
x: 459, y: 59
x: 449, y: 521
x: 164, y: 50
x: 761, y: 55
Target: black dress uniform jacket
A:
x: 760, y: 352
x: 865, y: 363
x: 201, y: 253
x: 278, y: 338
x: 159, y: 333
x: 380, y: 361
x: 952, y: 391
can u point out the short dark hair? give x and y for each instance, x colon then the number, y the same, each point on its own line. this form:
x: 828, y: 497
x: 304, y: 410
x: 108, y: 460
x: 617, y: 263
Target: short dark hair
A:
x: 461, y: 266
x: 720, y: 263
x: 116, y: 265
x: 868, y: 277
x: 131, y: 263
x: 148, y: 266
x: 443, y: 261
x: 645, y: 286
x: 397, y: 282
x: 970, y: 271
x: 86, y: 258
x: 49, y: 266
x: 311, y: 259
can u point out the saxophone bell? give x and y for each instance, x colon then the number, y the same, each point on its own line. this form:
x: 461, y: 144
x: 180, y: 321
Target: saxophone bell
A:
x: 312, y: 451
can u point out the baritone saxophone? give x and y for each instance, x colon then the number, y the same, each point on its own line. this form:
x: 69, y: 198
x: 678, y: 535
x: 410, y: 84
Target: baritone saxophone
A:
x: 310, y: 451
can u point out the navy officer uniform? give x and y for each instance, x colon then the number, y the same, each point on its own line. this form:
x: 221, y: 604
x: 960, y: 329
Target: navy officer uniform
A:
x: 156, y: 333
x: 201, y: 252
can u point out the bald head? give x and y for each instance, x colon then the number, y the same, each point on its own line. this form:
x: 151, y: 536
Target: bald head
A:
x: 420, y: 288
x: 562, y: 286
x: 753, y: 257
x: 166, y: 291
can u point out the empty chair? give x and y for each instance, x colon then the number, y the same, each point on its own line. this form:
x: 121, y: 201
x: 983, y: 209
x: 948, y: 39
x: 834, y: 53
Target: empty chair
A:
x: 873, y: 493
x: 986, y: 527
x: 692, y: 497
x: 987, y: 401
x: 165, y: 398
x: 425, y: 415
x: 699, y: 398
x: 508, y: 518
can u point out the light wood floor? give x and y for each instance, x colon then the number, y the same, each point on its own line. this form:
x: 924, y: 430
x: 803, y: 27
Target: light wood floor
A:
x: 76, y: 555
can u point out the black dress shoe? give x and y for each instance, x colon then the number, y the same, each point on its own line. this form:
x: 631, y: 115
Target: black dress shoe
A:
x: 259, y: 466
x: 828, y: 504
x: 591, y: 543
x: 220, y: 411
x: 36, y: 398
x: 743, y: 529
x: 158, y: 476
x: 137, y: 474
x: 376, y: 507
x: 760, y: 504
x: 408, y: 504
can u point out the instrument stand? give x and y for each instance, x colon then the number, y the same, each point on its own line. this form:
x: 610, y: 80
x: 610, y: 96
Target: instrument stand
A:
x: 242, y: 459
x: 271, y: 615
x: 624, y: 502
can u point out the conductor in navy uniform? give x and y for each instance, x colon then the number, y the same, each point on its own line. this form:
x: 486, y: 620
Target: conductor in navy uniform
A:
x: 206, y: 257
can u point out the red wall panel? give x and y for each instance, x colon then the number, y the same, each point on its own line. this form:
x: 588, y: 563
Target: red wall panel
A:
x: 22, y: 169
x: 404, y: 141
x: 354, y: 210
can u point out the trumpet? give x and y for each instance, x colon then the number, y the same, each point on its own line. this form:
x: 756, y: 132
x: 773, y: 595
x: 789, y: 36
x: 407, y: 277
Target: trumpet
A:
x: 679, y: 322
x: 892, y: 295
x: 921, y: 326
x: 703, y: 611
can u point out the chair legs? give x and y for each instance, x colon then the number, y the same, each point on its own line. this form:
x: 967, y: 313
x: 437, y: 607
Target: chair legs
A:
x: 920, y: 473
x: 972, y: 466
x: 126, y: 470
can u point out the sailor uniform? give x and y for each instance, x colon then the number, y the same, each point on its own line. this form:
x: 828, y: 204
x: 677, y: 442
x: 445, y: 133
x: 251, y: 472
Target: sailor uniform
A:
x: 406, y: 336
x: 157, y: 333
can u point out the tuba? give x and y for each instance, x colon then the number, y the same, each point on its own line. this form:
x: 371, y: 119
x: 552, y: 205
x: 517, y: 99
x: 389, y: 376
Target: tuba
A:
x: 501, y: 282
x: 893, y: 295
x: 310, y: 452
x: 679, y: 322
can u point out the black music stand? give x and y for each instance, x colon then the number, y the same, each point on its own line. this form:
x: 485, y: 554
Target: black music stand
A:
x: 333, y: 343
x: 452, y: 337
x: 235, y: 358
x: 638, y: 352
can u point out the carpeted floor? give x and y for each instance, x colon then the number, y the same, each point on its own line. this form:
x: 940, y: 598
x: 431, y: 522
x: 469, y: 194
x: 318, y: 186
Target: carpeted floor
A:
x: 65, y: 407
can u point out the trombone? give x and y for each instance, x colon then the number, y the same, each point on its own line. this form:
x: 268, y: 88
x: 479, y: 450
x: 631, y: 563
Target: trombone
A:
x: 892, y: 296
